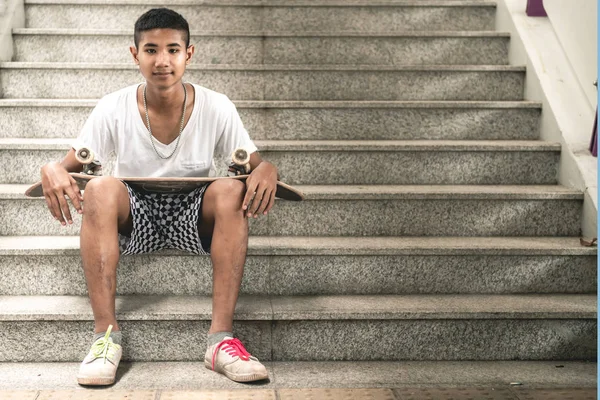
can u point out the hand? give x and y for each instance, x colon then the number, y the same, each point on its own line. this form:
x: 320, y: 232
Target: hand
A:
x: 56, y: 183
x: 261, y: 186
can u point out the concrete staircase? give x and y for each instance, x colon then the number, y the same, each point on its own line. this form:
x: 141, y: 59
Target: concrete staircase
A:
x: 433, y: 230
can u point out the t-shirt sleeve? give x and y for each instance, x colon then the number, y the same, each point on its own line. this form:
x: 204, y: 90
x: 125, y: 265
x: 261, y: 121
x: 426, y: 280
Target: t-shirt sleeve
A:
x: 233, y: 135
x: 97, y: 134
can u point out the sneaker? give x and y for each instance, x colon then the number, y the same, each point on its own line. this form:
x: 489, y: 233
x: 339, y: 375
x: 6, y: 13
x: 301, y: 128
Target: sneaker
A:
x: 229, y: 357
x: 99, y: 367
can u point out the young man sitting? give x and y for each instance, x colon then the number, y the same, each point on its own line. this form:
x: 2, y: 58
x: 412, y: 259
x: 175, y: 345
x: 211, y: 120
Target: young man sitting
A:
x: 163, y: 128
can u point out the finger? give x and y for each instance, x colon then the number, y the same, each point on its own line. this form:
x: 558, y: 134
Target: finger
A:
x: 250, y: 192
x: 64, y: 206
x: 271, y: 201
x: 76, y: 189
x: 260, y: 194
x: 73, y: 193
x: 74, y: 197
x: 252, y: 201
x: 56, y: 209
x: 265, y: 203
x: 50, y: 206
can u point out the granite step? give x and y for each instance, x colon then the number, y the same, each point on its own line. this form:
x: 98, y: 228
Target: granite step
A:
x: 489, y: 377
x: 350, y: 162
x: 314, y: 328
x: 312, y: 120
x: 247, y: 47
x: 369, y: 210
x: 51, y: 265
x: 276, y: 82
x: 278, y: 15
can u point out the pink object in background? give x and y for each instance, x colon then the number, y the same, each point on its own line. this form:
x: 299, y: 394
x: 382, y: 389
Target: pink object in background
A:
x: 594, y: 142
x: 535, y: 8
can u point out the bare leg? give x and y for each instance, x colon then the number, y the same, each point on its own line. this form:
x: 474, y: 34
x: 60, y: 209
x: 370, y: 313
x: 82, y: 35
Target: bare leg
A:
x: 223, y: 217
x: 105, y: 211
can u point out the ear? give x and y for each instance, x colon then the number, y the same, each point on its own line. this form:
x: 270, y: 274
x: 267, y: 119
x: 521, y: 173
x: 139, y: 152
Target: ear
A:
x: 134, y: 53
x: 190, y: 52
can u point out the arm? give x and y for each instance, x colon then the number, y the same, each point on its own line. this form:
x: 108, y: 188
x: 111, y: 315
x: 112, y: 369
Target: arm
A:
x: 256, y: 159
x: 261, y: 185
x: 70, y: 163
x: 56, y: 181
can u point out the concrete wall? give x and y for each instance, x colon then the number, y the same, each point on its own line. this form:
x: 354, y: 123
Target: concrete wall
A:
x: 12, y: 15
x: 575, y: 25
x: 567, y: 115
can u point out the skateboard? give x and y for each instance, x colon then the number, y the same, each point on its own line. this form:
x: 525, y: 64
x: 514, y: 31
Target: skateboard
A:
x: 240, y: 167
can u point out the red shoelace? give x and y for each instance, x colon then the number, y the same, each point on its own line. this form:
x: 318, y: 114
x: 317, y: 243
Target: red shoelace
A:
x: 233, y: 347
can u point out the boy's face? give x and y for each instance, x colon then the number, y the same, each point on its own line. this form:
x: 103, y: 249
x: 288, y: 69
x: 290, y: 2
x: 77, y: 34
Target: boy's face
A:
x: 162, y: 56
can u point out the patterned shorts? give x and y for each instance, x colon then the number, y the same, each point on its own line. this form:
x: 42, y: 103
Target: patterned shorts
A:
x: 164, y: 221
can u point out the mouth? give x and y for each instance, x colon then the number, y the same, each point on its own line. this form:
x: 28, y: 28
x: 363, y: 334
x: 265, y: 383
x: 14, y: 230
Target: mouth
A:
x: 162, y: 73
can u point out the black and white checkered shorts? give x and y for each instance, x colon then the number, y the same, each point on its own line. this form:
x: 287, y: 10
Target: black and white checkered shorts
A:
x: 164, y: 221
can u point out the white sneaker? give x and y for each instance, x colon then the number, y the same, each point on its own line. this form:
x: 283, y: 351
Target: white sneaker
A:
x: 99, y: 367
x: 229, y: 357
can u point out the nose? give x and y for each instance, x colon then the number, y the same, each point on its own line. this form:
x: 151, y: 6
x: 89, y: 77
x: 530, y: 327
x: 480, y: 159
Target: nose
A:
x: 162, y: 59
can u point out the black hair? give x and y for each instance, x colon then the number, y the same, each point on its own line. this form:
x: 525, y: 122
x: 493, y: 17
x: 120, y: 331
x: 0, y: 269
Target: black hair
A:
x: 161, y: 18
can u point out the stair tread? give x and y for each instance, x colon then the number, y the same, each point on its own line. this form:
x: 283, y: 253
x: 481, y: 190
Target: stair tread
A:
x: 281, y: 3
x: 391, y: 192
x: 299, y: 245
x: 270, y: 67
x: 331, y: 145
x: 303, y: 374
x: 298, y: 104
x: 361, y: 34
x: 320, y: 307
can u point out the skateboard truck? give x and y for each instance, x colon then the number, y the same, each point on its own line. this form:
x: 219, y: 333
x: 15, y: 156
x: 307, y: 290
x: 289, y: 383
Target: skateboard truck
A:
x: 90, y: 165
x: 241, y: 162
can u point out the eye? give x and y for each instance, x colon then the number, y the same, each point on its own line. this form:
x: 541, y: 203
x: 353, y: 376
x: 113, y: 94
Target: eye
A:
x: 173, y: 51
x: 150, y: 51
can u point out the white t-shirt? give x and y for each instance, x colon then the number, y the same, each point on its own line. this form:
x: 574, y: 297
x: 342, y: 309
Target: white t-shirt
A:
x: 213, y: 130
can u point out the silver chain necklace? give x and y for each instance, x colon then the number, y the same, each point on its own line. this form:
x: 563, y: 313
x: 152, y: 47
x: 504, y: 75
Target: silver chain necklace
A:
x: 180, y: 127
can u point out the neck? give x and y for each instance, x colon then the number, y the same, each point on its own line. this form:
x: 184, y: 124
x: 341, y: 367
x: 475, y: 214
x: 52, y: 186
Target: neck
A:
x: 165, y: 99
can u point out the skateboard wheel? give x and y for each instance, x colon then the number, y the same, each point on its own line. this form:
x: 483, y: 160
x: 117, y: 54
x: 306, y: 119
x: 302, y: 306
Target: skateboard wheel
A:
x: 84, y: 155
x: 241, y: 157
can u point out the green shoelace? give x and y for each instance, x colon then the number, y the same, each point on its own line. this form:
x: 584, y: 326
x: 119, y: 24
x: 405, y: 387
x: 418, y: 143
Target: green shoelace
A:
x: 105, y: 347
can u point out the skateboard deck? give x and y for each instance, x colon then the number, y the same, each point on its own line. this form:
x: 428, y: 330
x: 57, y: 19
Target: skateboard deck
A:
x: 171, y: 185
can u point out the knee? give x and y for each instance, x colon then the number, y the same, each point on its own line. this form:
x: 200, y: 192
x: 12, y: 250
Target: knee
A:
x: 102, y: 192
x: 227, y: 194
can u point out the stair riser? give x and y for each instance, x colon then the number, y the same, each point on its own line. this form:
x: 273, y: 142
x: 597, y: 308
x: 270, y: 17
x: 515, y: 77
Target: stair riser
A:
x: 280, y: 340
x: 416, y: 168
x: 418, y: 217
x: 279, y: 19
x: 435, y: 340
x: 187, y: 339
x: 311, y: 275
x: 279, y: 85
x: 314, y: 124
x: 359, y: 167
x: 277, y: 50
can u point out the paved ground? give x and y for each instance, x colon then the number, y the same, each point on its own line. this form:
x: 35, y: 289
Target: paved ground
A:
x: 396, y: 380
x: 491, y: 393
